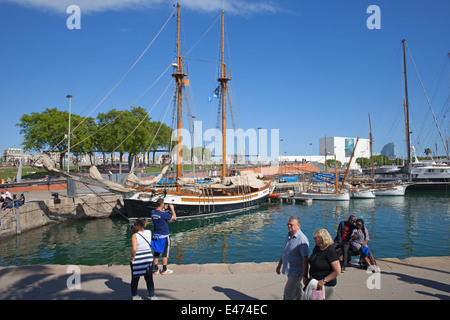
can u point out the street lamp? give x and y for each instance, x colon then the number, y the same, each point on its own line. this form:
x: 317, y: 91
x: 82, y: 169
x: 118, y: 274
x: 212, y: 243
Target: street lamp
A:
x: 193, y: 144
x: 259, y: 151
x: 281, y: 157
x: 68, y: 135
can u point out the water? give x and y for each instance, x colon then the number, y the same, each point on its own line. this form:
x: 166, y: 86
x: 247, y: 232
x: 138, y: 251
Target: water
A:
x: 415, y: 225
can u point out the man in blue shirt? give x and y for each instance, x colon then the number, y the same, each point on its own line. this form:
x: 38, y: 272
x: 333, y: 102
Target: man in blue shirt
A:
x: 160, y: 220
x: 294, y: 260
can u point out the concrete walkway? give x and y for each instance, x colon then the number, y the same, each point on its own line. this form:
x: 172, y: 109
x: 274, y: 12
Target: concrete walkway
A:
x: 409, y: 279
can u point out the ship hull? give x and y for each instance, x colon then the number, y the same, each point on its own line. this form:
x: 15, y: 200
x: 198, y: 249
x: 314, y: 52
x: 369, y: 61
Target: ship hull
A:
x: 189, y: 206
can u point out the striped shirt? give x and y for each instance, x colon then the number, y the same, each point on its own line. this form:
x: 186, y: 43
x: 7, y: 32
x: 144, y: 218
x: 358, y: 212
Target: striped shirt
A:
x: 144, y: 255
x: 357, y: 242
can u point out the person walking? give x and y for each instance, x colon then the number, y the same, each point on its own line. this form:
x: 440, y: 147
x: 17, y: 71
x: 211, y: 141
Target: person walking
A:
x: 141, y: 259
x: 342, y: 239
x: 294, y: 260
x: 324, y: 263
x: 161, y: 237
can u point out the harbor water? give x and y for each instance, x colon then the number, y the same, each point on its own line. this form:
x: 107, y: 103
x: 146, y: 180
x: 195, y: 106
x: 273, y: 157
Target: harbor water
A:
x: 414, y: 225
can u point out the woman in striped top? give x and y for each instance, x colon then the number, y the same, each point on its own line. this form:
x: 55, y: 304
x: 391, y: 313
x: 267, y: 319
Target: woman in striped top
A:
x: 141, y: 261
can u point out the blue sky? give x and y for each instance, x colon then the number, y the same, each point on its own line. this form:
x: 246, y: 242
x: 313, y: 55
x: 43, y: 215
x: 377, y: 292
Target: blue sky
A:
x: 307, y: 68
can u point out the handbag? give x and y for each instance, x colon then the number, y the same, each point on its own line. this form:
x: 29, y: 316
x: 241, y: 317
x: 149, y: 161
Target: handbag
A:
x: 317, y: 295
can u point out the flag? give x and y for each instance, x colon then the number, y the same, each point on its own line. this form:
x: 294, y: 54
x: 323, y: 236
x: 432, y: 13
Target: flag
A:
x: 213, y: 95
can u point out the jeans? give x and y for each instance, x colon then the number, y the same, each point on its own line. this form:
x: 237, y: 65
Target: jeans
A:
x: 345, y: 247
x: 293, y: 288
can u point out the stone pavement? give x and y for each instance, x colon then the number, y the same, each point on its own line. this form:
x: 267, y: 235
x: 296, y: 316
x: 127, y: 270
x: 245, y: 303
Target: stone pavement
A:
x: 410, y: 279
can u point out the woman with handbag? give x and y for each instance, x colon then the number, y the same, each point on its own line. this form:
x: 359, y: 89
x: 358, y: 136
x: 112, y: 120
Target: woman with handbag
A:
x: 141, y: 260
x: 324, y: 265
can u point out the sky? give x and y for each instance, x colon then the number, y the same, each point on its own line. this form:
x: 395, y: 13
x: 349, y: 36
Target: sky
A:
x: 301, y: 69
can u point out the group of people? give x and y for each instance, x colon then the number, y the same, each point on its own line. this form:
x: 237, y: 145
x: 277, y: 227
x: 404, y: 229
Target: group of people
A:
x: 316, y: 272
x: 319, y: 271
x: 9, y: 201
x: 146, y: 249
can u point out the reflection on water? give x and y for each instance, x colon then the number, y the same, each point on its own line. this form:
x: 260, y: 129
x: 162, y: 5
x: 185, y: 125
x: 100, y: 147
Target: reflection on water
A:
x: 414, y: 225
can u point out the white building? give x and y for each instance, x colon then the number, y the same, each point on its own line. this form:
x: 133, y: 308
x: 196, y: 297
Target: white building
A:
x: 343, y: 147
x: 12, y: 154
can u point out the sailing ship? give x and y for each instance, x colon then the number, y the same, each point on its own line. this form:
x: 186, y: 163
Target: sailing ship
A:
x: 420, y: 175
x: 191, y: 197
x: 390, y: 189
x: 200, y: 197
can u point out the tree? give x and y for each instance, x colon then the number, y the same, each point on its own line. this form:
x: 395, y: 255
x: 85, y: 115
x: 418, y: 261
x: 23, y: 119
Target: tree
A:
x: 363, y: 162
x: 330, y: 163
x: 427, y: 152
x: 159, y: 138
x: 48, y: 131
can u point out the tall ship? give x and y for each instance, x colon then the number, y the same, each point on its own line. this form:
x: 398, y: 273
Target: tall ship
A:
x: 191, y: 197
x: 196, y: 197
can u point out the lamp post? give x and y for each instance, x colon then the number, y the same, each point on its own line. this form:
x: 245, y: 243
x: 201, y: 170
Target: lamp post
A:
x: 193, y: 145
x: 68, y: 135
x: 281, y: 157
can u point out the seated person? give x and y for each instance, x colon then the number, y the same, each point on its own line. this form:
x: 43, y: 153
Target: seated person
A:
x: 18, y: 202
x: 8, y: 203
x: 358, y: 243
x: 344, y: 232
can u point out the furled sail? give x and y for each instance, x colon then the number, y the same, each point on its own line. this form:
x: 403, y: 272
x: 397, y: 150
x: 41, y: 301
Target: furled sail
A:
x: 95, y: 178
x: 132, y: 179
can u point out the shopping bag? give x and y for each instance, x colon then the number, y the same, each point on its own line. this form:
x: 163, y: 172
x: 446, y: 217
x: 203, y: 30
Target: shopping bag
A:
x: 317, y: 295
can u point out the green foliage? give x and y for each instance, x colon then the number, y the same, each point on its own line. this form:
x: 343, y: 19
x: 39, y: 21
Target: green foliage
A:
x: 330, y: 164
x: 129, y: 131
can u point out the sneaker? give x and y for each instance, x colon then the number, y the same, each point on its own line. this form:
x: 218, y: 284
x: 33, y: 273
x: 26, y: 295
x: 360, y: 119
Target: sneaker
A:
x: 342, y: 269
x: 136, y: 298
x: 156, y: 272
x: 167, y: 271
x: 153, y: 298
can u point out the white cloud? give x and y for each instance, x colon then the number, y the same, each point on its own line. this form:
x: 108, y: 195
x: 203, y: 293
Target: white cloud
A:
x: 231, y: 6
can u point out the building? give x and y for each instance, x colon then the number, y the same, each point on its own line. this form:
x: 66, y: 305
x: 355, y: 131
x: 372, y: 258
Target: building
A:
x: 12, y: 154
x: 339, y: 146
x: 389, y: 150
x: 343, y: 147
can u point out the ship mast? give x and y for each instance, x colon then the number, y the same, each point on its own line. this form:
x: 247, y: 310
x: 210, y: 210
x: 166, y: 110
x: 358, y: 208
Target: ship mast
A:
x: 223, y: 85
x: 371, y: 154
x: 178, y: 75
x: 408, y: 133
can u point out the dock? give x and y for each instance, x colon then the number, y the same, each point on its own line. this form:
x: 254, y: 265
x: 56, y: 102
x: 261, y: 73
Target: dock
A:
x: 414, y: 278
x: 295, y: 198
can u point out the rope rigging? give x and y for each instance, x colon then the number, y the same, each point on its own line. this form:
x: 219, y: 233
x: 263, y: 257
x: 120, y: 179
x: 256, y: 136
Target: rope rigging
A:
x: 123, y: 77
x: 429, y: 104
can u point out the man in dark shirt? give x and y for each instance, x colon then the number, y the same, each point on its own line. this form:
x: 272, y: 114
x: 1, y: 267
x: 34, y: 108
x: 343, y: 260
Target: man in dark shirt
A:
x: 342, y: 238
x: 160, y: 220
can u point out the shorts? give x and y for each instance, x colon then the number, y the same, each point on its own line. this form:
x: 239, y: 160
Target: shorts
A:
x: 166, y: 251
